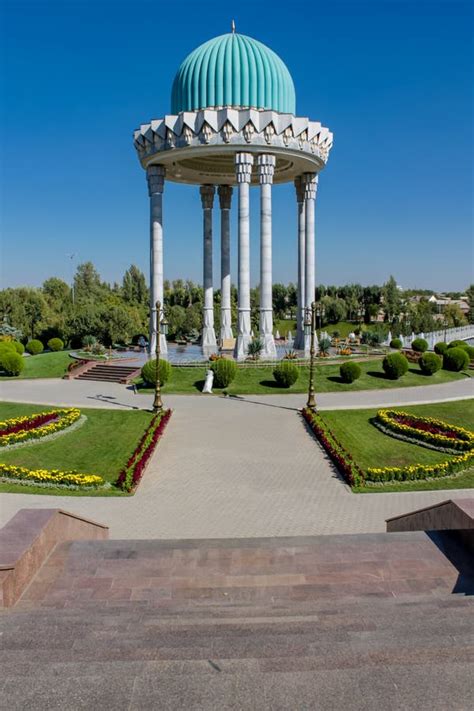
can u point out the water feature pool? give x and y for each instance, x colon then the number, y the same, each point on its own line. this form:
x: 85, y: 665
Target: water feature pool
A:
x: 179, y: 354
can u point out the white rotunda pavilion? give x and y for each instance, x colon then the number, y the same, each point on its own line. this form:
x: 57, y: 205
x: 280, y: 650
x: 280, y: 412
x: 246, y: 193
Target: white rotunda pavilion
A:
x: 233, y: 123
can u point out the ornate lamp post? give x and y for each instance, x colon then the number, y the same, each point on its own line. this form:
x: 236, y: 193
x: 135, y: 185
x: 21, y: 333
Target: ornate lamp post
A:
x: 309, y: 329
x: 162, y: 328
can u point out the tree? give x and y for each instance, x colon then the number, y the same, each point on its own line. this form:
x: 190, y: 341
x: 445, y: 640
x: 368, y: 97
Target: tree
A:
x: 134, y: 288
x: 87, y: 284
x: 470, y: 300
x: 56, y: 292
x: 334, y: 309
x: 176, y: 317
x: 453, y: 316
x: 391, y: 299
x: 279, y: 297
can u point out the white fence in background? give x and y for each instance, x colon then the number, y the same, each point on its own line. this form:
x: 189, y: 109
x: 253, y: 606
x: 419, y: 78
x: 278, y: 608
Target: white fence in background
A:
x: 461, y: 333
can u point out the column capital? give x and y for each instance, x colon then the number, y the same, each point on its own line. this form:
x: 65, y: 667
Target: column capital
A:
x: 225, y: 196
x: 310, y: 185
x: 266, y: 168
x: 155, y: 175
x: 207, y: 196
x: 299, y: 187
x: 243, y: 167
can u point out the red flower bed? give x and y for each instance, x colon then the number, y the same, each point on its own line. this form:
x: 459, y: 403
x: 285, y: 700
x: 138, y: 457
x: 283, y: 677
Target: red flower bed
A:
x: 133, y: 471
x: 30, y: 424
x: 425, y: 426
x: 342, y: 459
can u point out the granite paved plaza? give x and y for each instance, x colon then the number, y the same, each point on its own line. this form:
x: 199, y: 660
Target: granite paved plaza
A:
x: 233, y: 467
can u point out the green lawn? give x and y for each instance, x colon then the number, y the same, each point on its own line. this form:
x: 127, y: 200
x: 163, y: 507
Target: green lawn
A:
x: 101, y: 446
x: 344, y: 327
x: 371, y: 448
x: 44, y: 365
x: 259, y: 380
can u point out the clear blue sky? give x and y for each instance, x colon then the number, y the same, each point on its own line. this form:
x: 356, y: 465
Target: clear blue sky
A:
x: 391, y: 79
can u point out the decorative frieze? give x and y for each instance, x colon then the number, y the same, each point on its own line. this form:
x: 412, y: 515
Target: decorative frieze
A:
x: 229, y: 126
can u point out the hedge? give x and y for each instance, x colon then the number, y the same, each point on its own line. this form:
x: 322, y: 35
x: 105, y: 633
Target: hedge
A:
x: 286, y: 374
x: 149, y: 372
x: 34, y: 347
x: 350, y: 372
x: 430, y: 363
x: 455, y: 359
x: 225, y: 371
x: 419, y: 345
x: 55, y: 344
x: 395, y: 365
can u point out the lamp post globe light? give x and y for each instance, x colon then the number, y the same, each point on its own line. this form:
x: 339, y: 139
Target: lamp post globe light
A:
x: 163, y: 330
x: 310, y: 328
x: 233, y: 126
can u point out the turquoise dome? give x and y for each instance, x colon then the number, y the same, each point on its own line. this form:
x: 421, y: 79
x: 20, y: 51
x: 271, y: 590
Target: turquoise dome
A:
x: 233, y: 70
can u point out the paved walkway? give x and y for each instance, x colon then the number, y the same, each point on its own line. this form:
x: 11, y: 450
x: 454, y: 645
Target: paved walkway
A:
x: 82, y: 393
x: 233, y: 467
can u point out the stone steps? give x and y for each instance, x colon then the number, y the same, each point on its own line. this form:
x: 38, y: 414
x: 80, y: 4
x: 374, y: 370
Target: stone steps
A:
x: 324, y: 622
x: 109, y: 373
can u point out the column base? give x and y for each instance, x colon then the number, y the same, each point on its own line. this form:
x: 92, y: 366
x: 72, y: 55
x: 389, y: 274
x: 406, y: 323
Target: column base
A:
x: 208, y: 341
x: 307, y: 345
x: 163, y: 347
x: 299, y: 343
x: 243, y: 336
x: 226, y: 325
x: 269, y: 351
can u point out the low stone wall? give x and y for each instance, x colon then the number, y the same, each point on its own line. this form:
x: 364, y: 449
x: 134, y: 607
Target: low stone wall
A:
x: 29, y: 538
x: 451, y: 515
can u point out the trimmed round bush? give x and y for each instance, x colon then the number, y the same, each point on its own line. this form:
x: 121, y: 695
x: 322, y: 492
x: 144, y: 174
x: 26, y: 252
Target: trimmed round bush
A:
x: 419, y: 345
x: 441, y: 348
x: 34, y: 347
x: 395, y: 343
x: 455, y: 359
x: 350, y: 372
x: 469, y: 350
x: 395, y: 365
x: 149, y: 372
x: 456, y: 344
x: 224, y: 372
x: 19, y: 347
x: 11, y: 362
x: 55, y: 344
x: 286, y: 374
x: 7, y: 346
x: 430, y: 363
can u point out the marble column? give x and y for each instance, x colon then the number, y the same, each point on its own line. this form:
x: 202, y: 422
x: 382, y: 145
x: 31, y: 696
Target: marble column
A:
x: 225, y: 197
x: 243, y: 168
x: 266, y: 169
x: 310, y: 184
x: 156, y: 180
x: 300, y: 315
x: 208, y: 341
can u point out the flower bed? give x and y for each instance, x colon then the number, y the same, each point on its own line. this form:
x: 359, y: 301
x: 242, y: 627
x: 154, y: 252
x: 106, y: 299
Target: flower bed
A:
x: 425, y: 430
x: 415, y: 472
x: 341, y: 458
x: 133, y: 471
x: 22, y: 429
x: 52, y: 477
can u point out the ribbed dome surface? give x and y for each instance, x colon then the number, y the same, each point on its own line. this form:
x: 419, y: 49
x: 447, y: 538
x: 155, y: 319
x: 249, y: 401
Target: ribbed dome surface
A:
x: 233, y: 70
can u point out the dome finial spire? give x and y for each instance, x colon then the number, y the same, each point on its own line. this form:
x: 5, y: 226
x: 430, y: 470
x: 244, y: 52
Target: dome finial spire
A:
x: 232, y: 27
